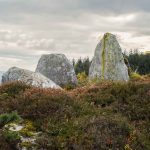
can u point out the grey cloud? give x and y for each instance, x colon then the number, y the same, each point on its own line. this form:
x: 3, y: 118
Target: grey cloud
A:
x: 19, y: 11
x: 29, y: 28
x: 25, y: 40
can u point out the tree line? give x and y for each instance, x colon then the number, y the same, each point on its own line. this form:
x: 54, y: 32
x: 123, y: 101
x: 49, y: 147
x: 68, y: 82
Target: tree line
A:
x: 138, y: 62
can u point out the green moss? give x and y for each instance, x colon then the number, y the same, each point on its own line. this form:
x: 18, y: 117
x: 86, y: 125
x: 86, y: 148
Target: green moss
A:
x: 103, y: 60
x: 26, y: 133
x: 28, y: 130
x: 29, y: 125
x: 26, y: 145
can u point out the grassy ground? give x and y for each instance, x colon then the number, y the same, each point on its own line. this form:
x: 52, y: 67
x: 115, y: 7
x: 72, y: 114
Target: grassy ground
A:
x: 98, y: 116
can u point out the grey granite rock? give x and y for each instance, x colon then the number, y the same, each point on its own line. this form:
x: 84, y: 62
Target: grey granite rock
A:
x: 28, y: 77
x: 57, y: 68
x: 108, y: 62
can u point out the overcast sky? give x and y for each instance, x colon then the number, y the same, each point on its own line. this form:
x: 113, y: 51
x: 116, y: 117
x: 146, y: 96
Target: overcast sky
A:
x: 30, y: 28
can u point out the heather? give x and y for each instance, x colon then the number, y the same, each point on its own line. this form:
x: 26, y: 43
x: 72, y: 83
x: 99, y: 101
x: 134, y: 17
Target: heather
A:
x: 97, y: 115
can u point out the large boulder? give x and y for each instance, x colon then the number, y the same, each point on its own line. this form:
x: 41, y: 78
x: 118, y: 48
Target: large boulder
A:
x: 57, y: 68
x: 108, y: 62
x: 28, y: 77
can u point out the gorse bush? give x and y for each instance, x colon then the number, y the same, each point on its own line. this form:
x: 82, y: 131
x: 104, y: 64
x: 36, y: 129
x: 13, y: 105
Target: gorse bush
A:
x: 102, y: 115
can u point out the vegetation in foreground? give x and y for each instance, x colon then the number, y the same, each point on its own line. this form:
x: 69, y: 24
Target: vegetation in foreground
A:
x: 99, y: 115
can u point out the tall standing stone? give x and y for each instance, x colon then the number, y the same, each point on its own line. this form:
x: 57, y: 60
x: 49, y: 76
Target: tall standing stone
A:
x: 57, y: 68
x: 108, y: 62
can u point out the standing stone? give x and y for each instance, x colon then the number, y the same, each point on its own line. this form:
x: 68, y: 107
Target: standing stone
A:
x: 108, y: 62
x: 28, y: 77
x: 57, y: 68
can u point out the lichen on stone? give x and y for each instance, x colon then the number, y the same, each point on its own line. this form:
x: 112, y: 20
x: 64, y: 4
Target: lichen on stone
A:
x: 103, y: 54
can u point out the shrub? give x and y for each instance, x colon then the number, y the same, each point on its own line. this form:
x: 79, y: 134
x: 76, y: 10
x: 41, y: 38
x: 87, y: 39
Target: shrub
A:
x: 91, y: 133
x: 28, y: 130
x: 129, y: 99
x: 27, y: 145
x: 11, y: 136
x: 69, y: 86
x: 13, y: 88
x: 82, y: 79
x: 101, y: 115
x: 135, y: 76
x: 4, y: 145
x: 39, y: 103
x: 6, y: 118
x: 132, y: 100
x: 97, y: 94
